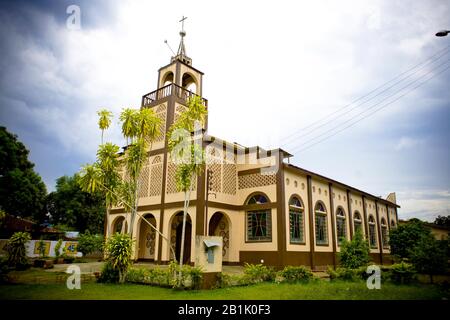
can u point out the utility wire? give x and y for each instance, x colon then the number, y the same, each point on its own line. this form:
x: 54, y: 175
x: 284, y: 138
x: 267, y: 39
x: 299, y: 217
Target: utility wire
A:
x: 372, y: 106
x: 382, y: 107
x: 425, y: 62
x: 360, y: 104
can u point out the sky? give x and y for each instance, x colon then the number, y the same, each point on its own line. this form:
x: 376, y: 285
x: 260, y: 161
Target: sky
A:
x: 271, y: 69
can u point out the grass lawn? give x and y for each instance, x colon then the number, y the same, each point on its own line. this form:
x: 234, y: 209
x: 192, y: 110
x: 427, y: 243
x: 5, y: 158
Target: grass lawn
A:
x: 319, y: 289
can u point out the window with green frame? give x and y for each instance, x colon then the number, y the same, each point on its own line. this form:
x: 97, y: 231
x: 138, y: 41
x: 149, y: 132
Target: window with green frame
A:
x: 296, y: 220
x: 372, y: 233
x: 384, y: 233
x: 321, y: 224
x: 340, y: 225
x: 259, y: 225
x: 259, y: 222
x: 357, y: 222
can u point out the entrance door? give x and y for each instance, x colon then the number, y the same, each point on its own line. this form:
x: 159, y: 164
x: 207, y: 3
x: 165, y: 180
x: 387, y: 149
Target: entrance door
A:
x: 187, y: 242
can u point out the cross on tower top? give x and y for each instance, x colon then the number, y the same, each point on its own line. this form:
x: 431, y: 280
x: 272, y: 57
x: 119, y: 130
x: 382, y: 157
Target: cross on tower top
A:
x: 181, y: 53
x: 182, y: 23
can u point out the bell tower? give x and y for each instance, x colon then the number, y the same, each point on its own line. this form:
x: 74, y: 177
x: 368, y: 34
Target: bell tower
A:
x: 180, y: 70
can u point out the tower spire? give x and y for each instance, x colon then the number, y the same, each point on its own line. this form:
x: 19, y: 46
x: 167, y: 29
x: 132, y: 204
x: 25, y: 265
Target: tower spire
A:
x: 181, y: 53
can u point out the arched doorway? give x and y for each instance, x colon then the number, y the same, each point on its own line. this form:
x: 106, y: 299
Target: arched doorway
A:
x: 219, y: 225
x: 147, y: 238
x: 119, y: 225
x: 175, y: 236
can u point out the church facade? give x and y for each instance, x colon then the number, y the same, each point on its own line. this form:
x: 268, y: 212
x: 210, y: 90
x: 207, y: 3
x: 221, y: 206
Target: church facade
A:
x: 266, y: 209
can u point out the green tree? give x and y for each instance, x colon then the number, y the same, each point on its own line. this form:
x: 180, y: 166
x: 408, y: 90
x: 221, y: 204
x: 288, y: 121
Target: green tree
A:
x: 71, y: 206
x: 443, y: 221
x: 354, y: 253
x: 186, y: 148
x: 16, y: 249
x: 104, y: 120
x: 140, y: 128
x: 22, y: 192
x: 406, y: 236
x: 429, y: 256
x: 118, y: 250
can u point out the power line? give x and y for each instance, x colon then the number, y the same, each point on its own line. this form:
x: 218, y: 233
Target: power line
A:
x: 382, y: 107
x: 362, y: 103
x: 425, y: 62
x: 372, y: 106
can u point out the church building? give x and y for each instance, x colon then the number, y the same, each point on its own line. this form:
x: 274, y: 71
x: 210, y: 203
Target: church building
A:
x: 265, y: 209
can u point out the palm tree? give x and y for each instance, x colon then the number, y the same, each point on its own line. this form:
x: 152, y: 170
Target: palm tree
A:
x: 145, y: 126
x: 193, y: 163
x: 104, y: 120
x: 129, y: 118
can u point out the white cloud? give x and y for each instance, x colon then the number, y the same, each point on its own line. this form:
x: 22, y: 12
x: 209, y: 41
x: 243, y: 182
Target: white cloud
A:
x: 408, y: 143
x: 424, y: 204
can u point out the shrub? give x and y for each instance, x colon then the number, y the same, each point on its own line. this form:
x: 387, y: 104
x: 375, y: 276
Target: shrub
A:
x: 429, y: 256
x: 402, y: 273
x: 406, y: 236
x: 255, y: 273
x: 223, y: 280
x: 191, y: 276
x: 17, y: 255
x: 136, y: 275
x: 89, y: 243
x: 4, y: 270
x: 109, y: 274
x: 344, y: 273
x: 57, y: 249
x: 296, y: 274
x: 118, y: 249
x: 354, y: 253
x: 195, y: 275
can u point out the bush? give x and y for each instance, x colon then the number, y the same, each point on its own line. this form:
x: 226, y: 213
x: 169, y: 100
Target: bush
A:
x: 255, y: 273
x: 191, y: 277
x: 354, y: 253
x: 402, y: 273
x: 17, y: 255
x: 345, y: 273
x: 4, y: 270
x: 57, y: 249
x: 223, y: 280
x: 109, y: 274
x: 118, y: 249
x: 429, y: 256
x: 89, y: 243
x: 293, y: 274
x: 41, y: 248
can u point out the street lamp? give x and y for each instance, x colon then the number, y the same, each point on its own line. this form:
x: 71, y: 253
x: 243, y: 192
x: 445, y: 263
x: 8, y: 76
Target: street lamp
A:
x: 442, y: 33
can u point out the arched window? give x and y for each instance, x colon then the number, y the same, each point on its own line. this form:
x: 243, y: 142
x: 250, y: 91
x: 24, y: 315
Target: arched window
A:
x: 259, y: 221
x: 296, y: 220
x: 321, y: 224
x: 340, y: 225
x: 384, y: 233
x: 392, y: 223
x: 372, y: 234
x: 257, y: 199
x: 357, y: 222
x: 168, y: 79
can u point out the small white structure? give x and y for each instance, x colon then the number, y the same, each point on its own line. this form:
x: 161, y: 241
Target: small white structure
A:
x: 208, y: 253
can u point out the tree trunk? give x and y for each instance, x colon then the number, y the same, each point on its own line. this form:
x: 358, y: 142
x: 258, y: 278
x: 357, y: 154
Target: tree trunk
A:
x: 187, y: 196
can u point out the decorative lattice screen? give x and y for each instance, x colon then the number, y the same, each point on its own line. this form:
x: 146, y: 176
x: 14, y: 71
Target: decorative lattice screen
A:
x: 256, y: 180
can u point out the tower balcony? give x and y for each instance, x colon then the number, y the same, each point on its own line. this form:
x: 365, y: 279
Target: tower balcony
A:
x: 165, y: 93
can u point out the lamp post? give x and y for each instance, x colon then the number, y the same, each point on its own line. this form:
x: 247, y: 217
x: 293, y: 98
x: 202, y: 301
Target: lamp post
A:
x: 442, y: 33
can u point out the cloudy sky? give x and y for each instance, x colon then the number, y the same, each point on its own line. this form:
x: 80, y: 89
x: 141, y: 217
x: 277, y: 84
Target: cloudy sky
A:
x: 277, y: 74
